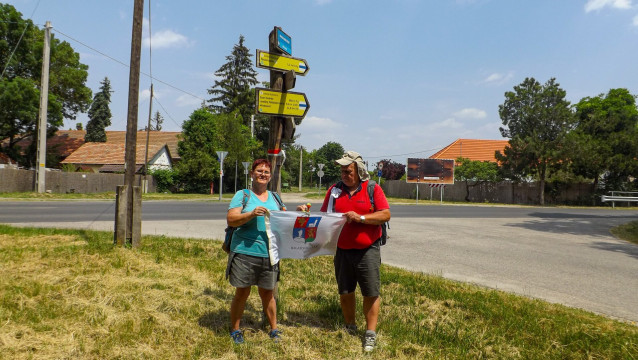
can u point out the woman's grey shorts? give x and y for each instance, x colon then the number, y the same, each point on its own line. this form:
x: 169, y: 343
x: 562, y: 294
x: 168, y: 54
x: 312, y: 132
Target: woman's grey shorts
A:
x: 354, y: 266
x: 246, y: 270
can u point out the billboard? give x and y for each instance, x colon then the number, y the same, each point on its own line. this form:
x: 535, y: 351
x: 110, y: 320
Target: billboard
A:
x: 430, y: 171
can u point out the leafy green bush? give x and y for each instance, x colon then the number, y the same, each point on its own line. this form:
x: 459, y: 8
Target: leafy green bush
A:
x: 166, y: 179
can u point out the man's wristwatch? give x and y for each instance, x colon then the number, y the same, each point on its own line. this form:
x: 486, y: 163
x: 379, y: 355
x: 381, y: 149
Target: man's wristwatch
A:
x: 362, y: 218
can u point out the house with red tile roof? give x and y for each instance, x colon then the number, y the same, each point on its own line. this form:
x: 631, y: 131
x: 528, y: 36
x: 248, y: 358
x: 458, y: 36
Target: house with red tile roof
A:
x: 65, y: 142
x: 473, y: 149
x: 170, y: 138
x: 110, y: 157
x: 61, y: 145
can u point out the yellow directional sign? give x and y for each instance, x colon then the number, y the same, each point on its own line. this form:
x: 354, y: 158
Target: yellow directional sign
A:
x: 272, y: 61
x: 272, y: 102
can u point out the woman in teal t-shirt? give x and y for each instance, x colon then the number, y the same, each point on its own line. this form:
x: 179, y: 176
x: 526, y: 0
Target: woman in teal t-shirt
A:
x: 248, y: 262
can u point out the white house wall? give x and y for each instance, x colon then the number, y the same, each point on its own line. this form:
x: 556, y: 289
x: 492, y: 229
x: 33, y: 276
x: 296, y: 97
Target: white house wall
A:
x: 161, y: 160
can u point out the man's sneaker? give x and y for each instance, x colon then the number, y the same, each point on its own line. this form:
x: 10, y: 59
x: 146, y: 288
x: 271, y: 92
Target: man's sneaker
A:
x: 237, y: 336
x: 351, y: 328
x: 275, y: 335
x: 369, y: 341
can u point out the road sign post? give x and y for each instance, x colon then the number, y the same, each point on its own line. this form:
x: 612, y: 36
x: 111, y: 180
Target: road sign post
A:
x: 277, y: 102
x: 221, y: 155
x: 246, y: 165
x: 320, y: 173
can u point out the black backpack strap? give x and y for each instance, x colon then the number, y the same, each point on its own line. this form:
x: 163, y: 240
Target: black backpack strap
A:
x: 371, y: 184
x: 244, y: 200
x: 278, y: 201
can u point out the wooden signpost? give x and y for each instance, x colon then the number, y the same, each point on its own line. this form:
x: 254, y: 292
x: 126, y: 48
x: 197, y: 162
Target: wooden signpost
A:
x: 283, y: 106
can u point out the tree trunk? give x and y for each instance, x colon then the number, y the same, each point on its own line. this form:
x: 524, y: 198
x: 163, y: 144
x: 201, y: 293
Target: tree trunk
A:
x: 542, y: 185
x: 467, y: 191
x: 593, y: 190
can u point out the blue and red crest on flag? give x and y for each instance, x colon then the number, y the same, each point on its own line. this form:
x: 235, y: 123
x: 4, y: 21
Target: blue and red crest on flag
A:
x: 306, y: 228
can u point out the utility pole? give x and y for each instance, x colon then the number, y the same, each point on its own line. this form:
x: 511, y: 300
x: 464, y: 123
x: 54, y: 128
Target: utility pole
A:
x: 148, y: 139
x: 300, y: 166
x: 131, y: 231
x: 40, y: 173
x: 252, y: 126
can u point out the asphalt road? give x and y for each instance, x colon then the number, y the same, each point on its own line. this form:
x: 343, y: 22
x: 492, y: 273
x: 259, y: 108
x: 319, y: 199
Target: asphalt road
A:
x: 561, y: 255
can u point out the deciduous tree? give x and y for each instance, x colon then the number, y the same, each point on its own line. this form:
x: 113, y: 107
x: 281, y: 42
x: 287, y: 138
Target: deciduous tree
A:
x: 474, y: 173
x: 605, y: 142
x: 197, y: 148
x: 536, y: 119
x: 327, y: 154
x: 205, y: 133
x: 392, y: 170
x: 21, y: 44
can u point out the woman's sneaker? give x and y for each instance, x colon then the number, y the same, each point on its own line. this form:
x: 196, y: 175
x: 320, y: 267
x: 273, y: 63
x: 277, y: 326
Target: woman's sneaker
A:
x: 369, y: 341
x: 237, y: 336
x: 351, y: 329
x: 275, y: 335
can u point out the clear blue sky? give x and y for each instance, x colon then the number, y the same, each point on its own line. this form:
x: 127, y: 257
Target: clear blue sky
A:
x: 390, y: 79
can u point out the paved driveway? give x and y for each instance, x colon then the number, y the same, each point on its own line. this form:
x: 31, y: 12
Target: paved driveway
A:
x: 575, y: 263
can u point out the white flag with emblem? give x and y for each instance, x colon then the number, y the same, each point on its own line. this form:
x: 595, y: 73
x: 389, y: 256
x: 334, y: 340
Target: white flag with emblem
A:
x: 299, y: 235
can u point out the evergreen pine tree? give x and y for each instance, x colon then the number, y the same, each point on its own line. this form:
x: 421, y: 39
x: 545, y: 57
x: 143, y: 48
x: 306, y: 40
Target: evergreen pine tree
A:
x: 233, y: 92
x: 99, y: 114
x: 156, y: 122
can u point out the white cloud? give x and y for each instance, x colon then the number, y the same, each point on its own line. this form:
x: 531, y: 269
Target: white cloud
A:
x: 318, y: 124
x: 594, y: 5
x: 145, y: 94
x: 471, y: 113
x: 635, y: 22
x: 187, y: 100
x: 166, y: 39
x: 261, y: 77
x: 499, y: 78
x: 449, y: 123
x: 314, y: 132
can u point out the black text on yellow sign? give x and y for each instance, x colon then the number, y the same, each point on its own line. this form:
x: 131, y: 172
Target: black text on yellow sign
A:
x: 272, y: 102
x: 283, y: 63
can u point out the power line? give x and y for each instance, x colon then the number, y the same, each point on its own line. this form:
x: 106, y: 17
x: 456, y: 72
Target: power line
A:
x: 166, y: 112
x: 127, y: 65
x: 411, y: 153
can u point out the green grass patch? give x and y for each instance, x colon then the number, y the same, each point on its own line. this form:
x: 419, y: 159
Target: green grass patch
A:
x: 627, y: 232
x: 72, y: 294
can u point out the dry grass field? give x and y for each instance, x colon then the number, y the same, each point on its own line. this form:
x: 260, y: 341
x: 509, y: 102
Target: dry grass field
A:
x: 67, y: 294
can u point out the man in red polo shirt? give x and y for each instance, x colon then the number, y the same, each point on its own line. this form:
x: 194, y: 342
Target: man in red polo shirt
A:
x: 358, y: 256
